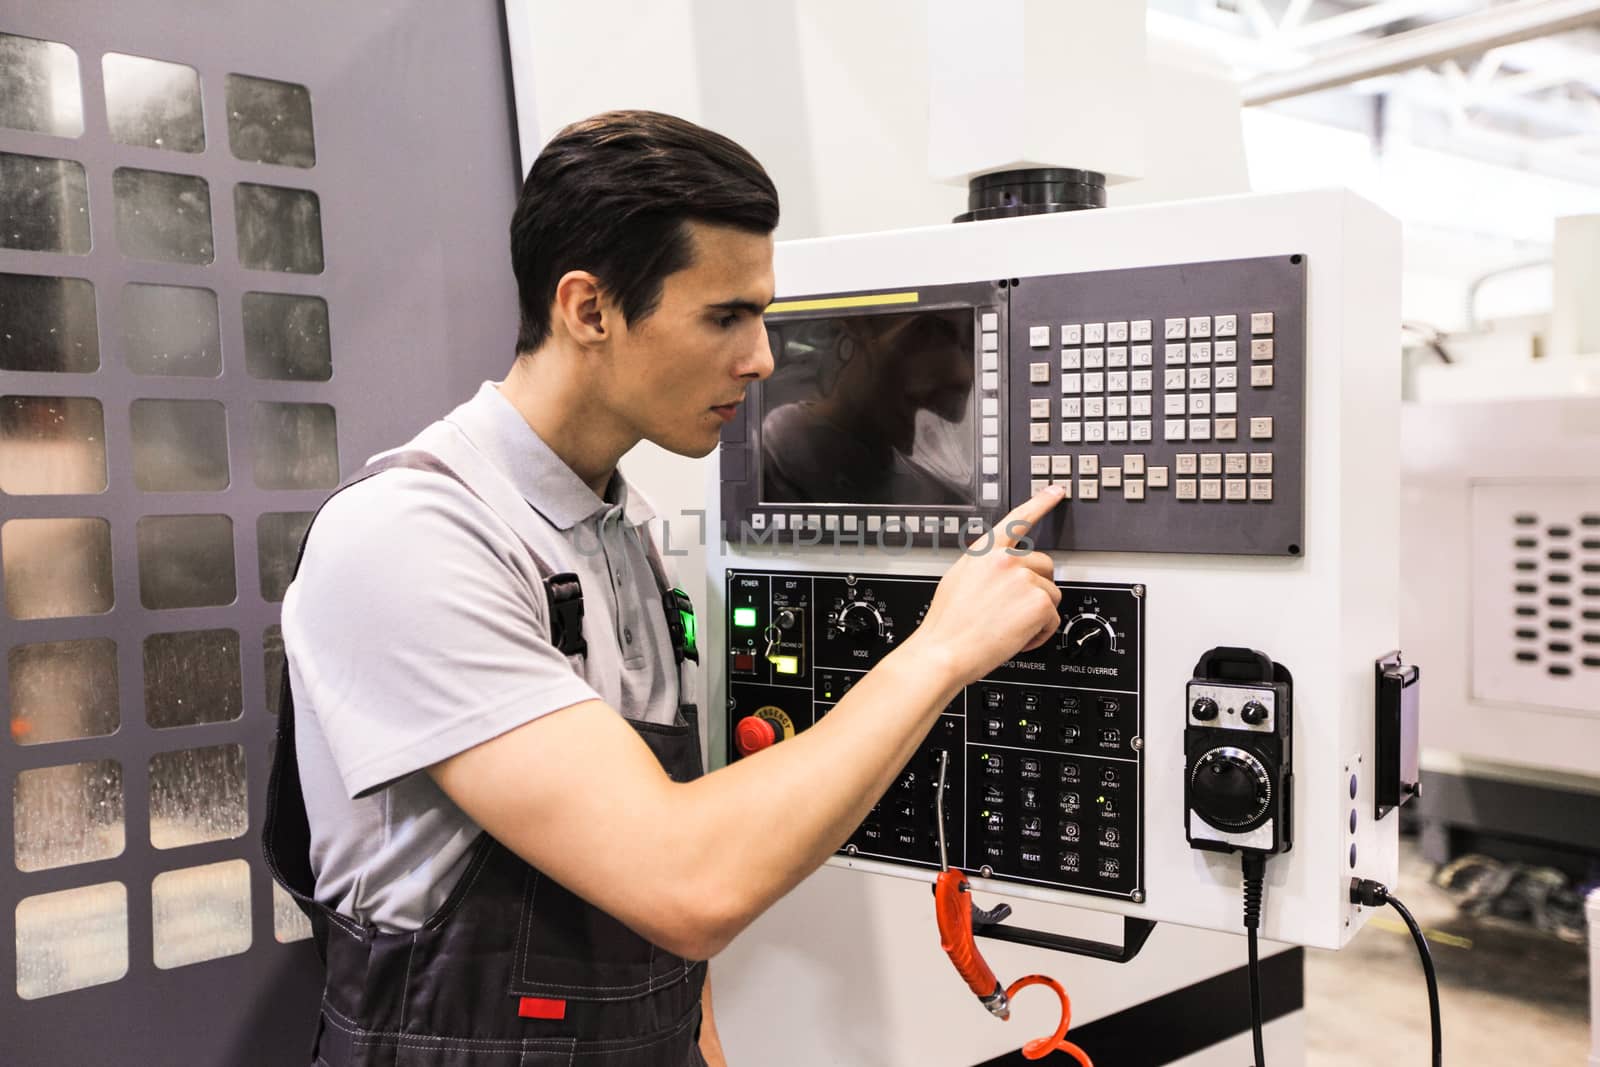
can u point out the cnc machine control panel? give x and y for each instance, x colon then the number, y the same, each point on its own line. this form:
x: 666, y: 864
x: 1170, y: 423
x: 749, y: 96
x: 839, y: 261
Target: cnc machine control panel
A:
x: 1045, y: 776
x: 1168, y: 400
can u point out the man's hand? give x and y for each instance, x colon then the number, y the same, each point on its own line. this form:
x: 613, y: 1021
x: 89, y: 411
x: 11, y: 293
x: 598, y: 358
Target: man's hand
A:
x: 996, y: 600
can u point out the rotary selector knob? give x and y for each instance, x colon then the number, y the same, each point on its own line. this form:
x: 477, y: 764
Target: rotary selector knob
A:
x: 1204, y: 709
x: 1086, y: 635
x: 861, y: 621
x: 1230, y: 788
x: 1254, y: 713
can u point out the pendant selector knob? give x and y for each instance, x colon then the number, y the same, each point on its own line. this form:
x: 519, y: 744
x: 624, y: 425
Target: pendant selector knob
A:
x: 1254, y: 713
x: 1230, y: 788
x: 1204, y: 709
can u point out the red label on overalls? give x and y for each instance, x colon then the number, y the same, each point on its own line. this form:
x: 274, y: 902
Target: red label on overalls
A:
x: 540, y: 1008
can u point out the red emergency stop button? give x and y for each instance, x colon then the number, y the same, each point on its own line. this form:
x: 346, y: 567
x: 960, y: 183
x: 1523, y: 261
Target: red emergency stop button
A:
x: 753, y: 734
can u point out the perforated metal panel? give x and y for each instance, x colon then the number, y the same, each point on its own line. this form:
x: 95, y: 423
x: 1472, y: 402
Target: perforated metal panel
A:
x: 242, y: 247
x: 1536, y: 594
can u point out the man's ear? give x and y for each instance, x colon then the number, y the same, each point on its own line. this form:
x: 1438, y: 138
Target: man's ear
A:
x: 580, y: 306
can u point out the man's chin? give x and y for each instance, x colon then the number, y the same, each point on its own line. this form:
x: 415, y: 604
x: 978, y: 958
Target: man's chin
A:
x: 690, y: 448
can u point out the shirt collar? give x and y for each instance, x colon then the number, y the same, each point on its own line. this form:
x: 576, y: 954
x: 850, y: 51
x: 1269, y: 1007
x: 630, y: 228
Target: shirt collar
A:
x: 550, y: 487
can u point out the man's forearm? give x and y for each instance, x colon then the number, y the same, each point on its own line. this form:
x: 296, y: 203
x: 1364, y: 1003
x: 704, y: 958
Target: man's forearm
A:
x: 756, y: 828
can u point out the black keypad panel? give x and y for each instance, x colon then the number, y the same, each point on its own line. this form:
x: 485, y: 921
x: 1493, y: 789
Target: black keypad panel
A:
x: 1044, y: 779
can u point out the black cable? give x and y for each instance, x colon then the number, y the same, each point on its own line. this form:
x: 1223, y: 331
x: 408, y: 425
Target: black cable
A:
x: 1255, y: 866
x: 1374, y: 894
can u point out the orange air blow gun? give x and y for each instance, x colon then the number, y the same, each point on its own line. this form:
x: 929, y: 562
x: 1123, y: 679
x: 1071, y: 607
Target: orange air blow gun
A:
x: 958, y: 915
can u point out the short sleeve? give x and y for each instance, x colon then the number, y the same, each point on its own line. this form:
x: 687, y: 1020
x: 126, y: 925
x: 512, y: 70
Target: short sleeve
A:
x: 415, y: 629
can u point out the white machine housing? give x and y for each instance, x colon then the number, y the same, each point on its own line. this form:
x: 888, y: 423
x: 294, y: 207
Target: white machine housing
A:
x: 1501, y: 552
x: 1326, y: 615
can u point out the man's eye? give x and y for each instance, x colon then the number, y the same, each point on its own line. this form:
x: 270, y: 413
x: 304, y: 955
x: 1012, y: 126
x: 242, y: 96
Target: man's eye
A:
x: 727, y: 321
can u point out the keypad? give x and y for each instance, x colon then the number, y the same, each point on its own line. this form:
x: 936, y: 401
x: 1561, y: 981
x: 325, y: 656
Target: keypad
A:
x: 1157, y: 379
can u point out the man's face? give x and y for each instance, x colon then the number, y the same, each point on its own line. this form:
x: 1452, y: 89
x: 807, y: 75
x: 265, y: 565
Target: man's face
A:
x: 677, y: 375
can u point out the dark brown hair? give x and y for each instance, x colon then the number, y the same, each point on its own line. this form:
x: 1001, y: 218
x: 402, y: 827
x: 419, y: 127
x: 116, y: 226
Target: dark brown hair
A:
x: 610, y: 195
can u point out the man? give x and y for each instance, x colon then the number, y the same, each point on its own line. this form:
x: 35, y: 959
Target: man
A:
x: 513, y: 855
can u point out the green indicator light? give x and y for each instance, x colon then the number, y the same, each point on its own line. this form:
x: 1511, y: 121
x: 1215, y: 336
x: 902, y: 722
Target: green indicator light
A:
x: 688, y: 629
x: 1100, y: 800
x: 785, y: 664
x: 1022, y: 722
x: 745, y: 617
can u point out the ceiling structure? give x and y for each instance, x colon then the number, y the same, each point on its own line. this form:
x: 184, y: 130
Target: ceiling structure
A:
x: 1513, y: 82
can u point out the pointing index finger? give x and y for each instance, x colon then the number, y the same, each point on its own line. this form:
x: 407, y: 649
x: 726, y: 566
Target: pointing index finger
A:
x: 1021, y: 519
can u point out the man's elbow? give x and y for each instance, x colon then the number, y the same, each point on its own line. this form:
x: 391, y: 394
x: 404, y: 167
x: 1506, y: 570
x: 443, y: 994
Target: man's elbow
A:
x: 703, y: 925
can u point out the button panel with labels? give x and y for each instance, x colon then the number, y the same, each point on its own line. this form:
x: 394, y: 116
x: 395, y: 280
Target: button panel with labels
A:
x: 1045, y: 753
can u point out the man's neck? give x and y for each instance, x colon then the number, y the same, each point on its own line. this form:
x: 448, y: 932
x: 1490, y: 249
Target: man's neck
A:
x: 548, y: 390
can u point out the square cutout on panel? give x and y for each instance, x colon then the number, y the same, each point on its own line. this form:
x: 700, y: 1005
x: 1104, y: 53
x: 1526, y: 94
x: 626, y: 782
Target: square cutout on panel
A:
x: 289, y: 923
x: 162, y: 216
x: 39, y: 87
x: 198, y: 795
x: 192, y: 677
x: 153, y: 103
x: 296, y: 446
x: 171, y: 330
x: 286, y: 337
x: 180, y: 446
x: 63, y: 690
x: 279, y: 229
x: 72, y: 939
x: 272, y: 662
x: 270, y: 121
x: 49, y: 324
x: 186, y: 561
x: 56, y: 568
x: 44, y: 204
x: 278, y: 537
x: 67, y: 814
x: 52, y: 445
x: 201, y: 913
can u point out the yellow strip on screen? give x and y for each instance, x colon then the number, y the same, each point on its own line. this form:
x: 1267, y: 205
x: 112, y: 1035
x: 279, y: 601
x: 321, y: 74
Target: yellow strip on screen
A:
x: 832, y: 303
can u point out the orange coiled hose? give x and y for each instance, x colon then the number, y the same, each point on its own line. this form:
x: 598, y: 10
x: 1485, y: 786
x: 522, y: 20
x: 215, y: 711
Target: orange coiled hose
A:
x: 1040, y: 1047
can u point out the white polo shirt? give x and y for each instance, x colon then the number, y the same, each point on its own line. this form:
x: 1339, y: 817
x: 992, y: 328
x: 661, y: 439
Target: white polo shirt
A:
x: 416, y: 628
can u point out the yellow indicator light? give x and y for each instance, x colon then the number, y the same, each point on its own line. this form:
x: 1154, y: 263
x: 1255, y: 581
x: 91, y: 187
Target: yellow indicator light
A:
x: 785, y: 664
x: 830, y: 303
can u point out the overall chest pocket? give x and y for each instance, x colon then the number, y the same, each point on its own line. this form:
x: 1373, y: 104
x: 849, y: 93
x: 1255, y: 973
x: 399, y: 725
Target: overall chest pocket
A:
x: 568, y: 949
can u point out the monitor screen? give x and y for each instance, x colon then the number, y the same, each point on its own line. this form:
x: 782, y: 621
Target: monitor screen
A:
x: 870, y: 409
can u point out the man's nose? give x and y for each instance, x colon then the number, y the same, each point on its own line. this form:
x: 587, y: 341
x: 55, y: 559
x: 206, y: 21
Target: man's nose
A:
x: 759, y: 363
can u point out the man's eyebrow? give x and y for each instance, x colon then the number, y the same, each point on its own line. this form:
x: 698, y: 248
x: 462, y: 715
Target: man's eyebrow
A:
x: 748, y: 306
